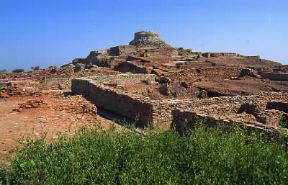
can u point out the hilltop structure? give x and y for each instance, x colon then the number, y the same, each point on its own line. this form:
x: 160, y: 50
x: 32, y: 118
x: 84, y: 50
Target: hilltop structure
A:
x: 148, y: 39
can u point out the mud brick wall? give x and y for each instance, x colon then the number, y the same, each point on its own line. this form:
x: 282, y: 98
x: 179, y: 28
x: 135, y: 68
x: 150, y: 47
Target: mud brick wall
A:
x: 277, y: 105
x: 131, y: 67
x: 121, y: 50
x: 207, y: 72
x: 160, y: 114
x: 141, y: 59
x: 226, y: 110
x: 219, y: 54
x: 121, y: 104
x: 219, y: 72
x: 185, y: 120
x: 223, y: 54
x: 155, y: 113
x: 274, y: 76
x: 162, y: 111
x: 270, y: 117
x: 123, y: 79
x: 80, y: 86
x: 133, y: 108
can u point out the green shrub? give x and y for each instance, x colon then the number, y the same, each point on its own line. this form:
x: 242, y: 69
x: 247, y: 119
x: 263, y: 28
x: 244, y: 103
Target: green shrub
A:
x: 18, y: 70
x: 284, y: 121
x: 36, y: 68
x: 3, y: 71
x: 204, y: 156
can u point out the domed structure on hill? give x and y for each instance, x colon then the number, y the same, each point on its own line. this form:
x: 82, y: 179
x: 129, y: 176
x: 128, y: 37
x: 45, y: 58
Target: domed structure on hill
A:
x: 148, y: 39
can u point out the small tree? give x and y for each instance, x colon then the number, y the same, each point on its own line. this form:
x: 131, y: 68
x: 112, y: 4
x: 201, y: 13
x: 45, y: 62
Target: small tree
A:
x: 52, y: 67
x: 18, y: 70
x: 36, y: 68
x: 3, y: 71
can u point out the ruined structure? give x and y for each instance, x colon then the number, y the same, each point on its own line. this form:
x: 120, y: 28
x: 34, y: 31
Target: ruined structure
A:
x: 274, y: 76
x: 265, y: 111
x: 171, y: 85
x: 148, y: 39
x: 122, y: 50
x: 262, y: 111
x: 101, y: 91
x: 150, y: 83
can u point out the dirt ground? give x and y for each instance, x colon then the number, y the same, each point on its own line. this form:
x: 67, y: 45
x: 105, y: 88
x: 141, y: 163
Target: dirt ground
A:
x: 54, y: 114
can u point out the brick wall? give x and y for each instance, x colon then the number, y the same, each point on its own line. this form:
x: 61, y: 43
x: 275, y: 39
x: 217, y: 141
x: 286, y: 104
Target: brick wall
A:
x: 133, y: 108
x: 123, y: 79
x: 274, y: 76
x: 121, y: 50
x: 160, y: 114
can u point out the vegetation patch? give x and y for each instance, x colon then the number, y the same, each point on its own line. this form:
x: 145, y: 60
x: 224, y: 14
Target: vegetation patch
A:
x: 219, y: 155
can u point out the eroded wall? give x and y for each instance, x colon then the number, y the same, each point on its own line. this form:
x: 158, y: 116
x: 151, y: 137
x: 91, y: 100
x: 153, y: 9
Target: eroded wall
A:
x: 274, y: 76
x: 258, y: 111
x: 133, y: 108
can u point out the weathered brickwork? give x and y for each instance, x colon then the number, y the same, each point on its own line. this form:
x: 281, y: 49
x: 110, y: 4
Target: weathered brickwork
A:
x: 260, y: 111
x: 274, y: 76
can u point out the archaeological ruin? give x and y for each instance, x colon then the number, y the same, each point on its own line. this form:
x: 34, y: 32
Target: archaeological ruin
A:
x: 154, y: 84
x: 112, y: 93
x: 150, y: 83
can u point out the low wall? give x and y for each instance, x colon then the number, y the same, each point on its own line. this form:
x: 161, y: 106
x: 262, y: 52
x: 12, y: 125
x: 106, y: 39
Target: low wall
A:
x: 121, y: 50
x: 182, y: 113
x: 219, y: 72
x: 123, y: 79
x: 119, y: 103
x: 211, y: 54
x: 184, y: 121
x: 161, y: 116
x: 153, y: 113
x: 80, y: 86
x: 274, y: 76
x: 142, y: 59
x: 282, y: 106
x: 131, y: 67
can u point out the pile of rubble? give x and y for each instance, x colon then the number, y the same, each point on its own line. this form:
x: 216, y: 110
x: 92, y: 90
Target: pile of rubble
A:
x: 30, y: 104
x: 14, y: 91
x: 75, y: 104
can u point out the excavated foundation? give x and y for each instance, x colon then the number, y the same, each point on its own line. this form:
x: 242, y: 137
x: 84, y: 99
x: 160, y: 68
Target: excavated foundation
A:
x: 264, y: 111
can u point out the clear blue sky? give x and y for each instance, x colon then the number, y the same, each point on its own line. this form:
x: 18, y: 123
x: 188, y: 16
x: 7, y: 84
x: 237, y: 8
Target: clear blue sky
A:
x: 53, y: 32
